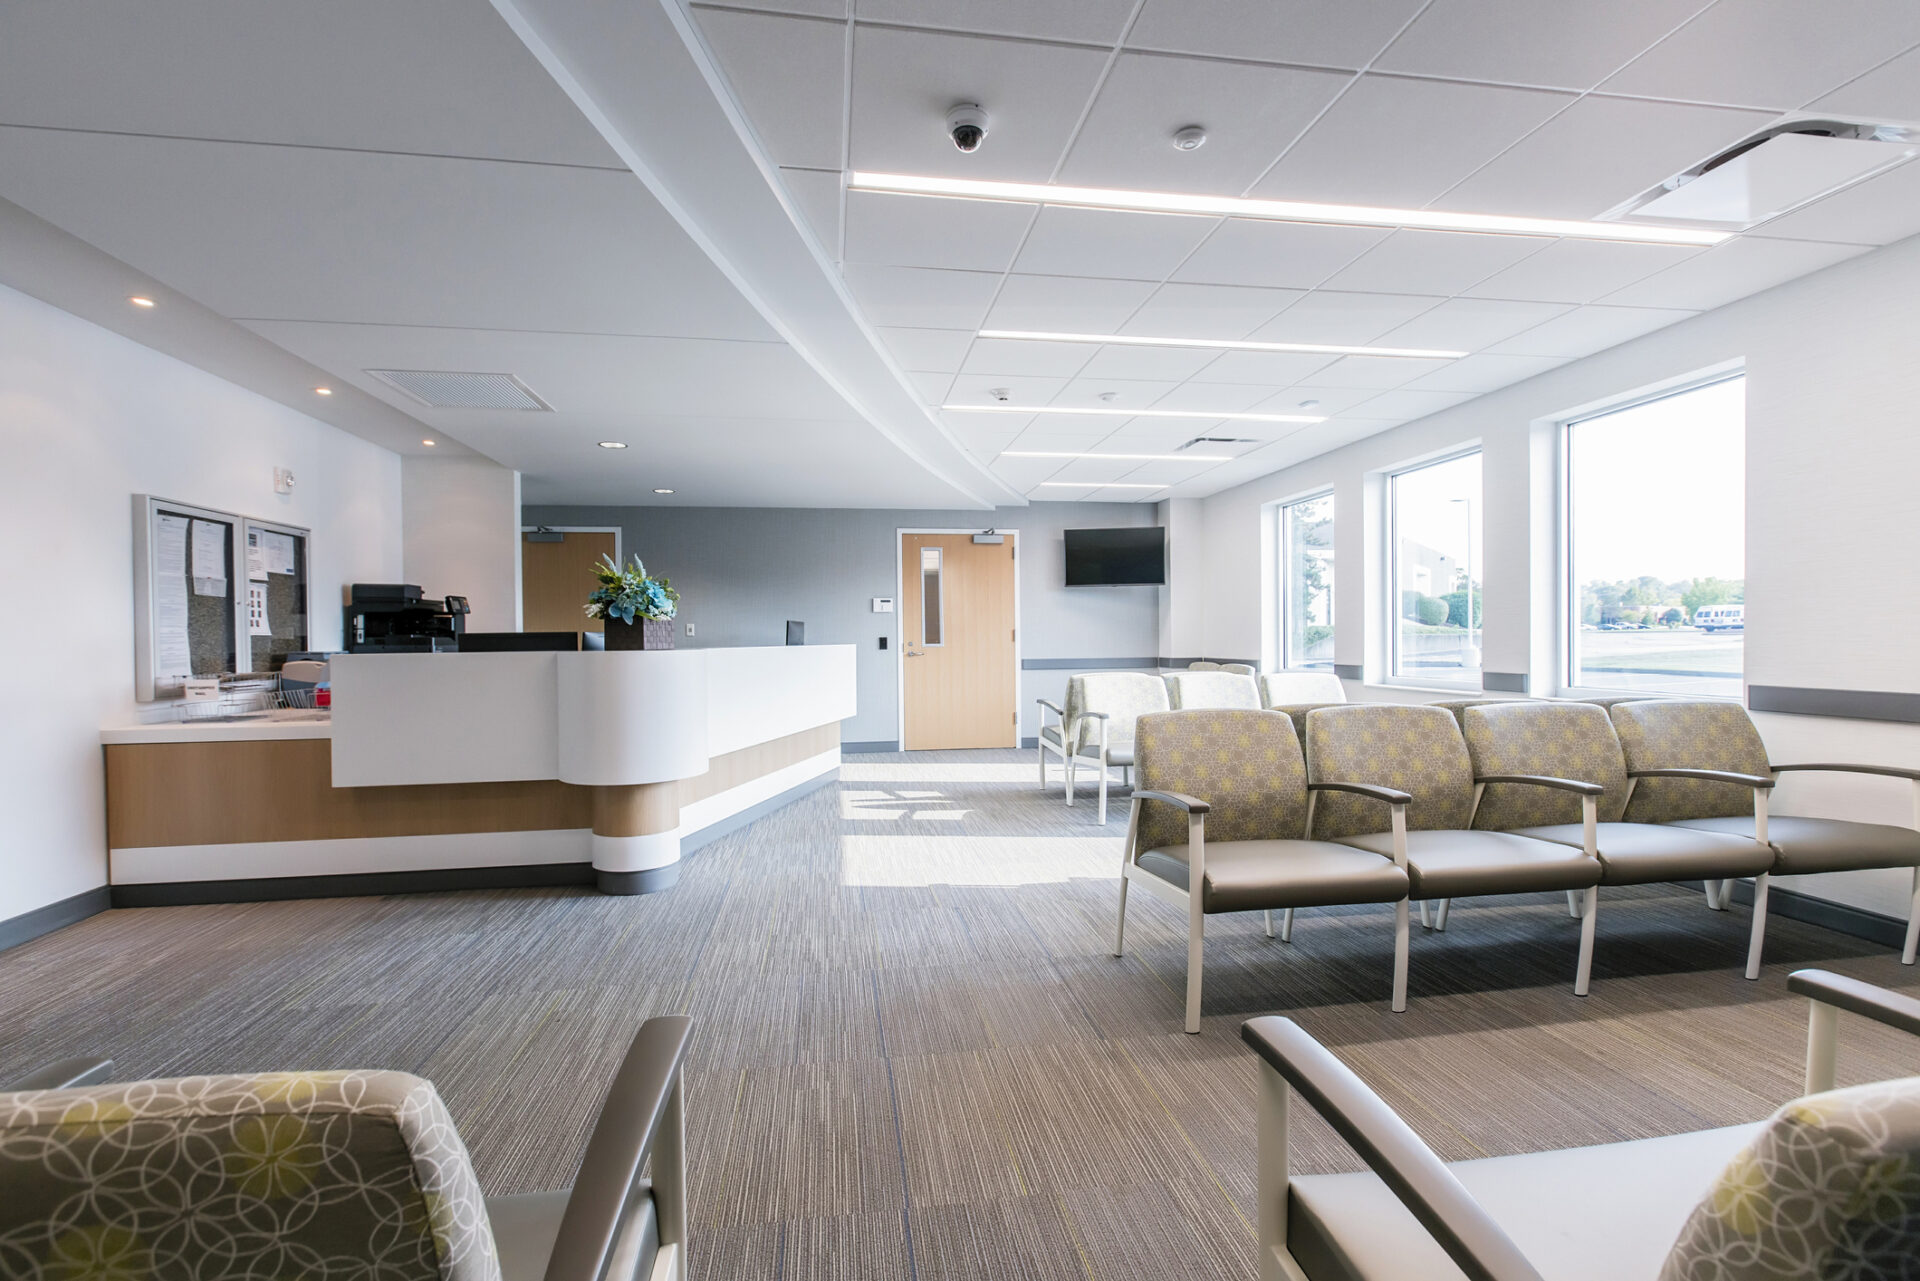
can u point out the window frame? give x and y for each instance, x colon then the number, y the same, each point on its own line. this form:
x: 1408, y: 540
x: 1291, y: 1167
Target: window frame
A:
x: 1569, y: 589
x: 1283, y: 543
x: 1476, y: 683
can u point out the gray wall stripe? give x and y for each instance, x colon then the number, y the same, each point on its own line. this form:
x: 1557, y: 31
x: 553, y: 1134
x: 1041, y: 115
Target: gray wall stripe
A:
x: 1852, y: 704
x: 1349, y: 671
x: 1504, y: 682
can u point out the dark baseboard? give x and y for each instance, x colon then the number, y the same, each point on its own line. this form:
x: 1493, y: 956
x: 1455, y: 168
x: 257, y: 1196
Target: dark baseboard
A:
x: 1839, y: 917
x: 649, y: 880
x: 352, y: 885
x: 734, y: 822
x: 876, y: 745
x: 28, y: 926
x: 1030, y: 741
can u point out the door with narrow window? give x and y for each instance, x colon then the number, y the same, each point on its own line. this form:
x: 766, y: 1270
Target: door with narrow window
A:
x: 957, y: 642
x: 556, y: 577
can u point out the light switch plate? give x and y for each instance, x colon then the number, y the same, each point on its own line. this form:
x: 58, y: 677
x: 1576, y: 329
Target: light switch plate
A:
x: 689, y: 629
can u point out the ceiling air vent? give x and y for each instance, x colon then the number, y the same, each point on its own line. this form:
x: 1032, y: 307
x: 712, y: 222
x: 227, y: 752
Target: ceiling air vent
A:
x: 1219, y: 440
x: 446, y: 389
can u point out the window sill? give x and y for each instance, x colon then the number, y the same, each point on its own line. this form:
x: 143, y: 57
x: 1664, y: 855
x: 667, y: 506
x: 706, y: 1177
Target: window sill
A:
x: 1419, y: 687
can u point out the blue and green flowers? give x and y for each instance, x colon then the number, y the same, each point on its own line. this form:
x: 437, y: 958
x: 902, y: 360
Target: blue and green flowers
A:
x: 627, y: 594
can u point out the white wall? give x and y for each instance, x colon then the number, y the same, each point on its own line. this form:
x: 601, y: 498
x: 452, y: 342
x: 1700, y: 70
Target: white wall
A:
x: 87, y: 419
x: 461, y: 535
x: 1833, y: 557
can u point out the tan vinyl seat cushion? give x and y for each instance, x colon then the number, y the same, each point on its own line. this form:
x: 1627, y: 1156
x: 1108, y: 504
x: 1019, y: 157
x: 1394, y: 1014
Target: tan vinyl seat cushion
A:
x: 1823, y: 844
x: 1607, y: 1213
x: 1643, y: 853
x: 1455, y: 864
x: 526, y: 1226
x: 1244, y: 876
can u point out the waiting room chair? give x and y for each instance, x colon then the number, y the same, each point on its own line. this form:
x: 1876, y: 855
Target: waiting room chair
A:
x: 1283, y: 689
x: 1418, y: 750
x: 1097, y: 724
x: 1219, y: 824
x: 1824, y: 1188
x: 1189, y: 690
x: 311, y: 1174
x: 1202, y: 665
x: 1239, y: 669
x: 1702, y: 765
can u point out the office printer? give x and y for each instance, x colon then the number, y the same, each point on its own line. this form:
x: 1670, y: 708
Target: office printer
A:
x: 393, y: 618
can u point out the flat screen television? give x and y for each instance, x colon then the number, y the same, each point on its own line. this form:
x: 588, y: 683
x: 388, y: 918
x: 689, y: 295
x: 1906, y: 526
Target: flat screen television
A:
x: 1117, y: 557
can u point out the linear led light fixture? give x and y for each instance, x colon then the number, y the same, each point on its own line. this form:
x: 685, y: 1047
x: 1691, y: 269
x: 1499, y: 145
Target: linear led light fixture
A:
x: 1275, y: 210
x: 1128, y: 458
x: 1203, y: 415
x: 1222, y: 344
x: 1096, y: 484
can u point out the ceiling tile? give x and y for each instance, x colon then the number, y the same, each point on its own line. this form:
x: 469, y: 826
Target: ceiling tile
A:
x: 1331, y: 400
x: 818, y: 8
x: 1401, y: 143
x: 1274, y: 368
x: 1230, y: 397
x: 1329, y: 316
x: 789, y: 76
x: 931, y: 231
x: 1086, y: 21
x: 1580, y: 270
x: 1585, y: 330
x: 1776, y: 54
x: 1034, y: 359
x: 931, y: 388
x: 1406, y: 404
x: 1322, y: 33
x: 904, y: 82
x: 1208, y: 311
x: 1484, y: 373
x: 817, y: 194
x: 1175, y: 363
x: 1888, y: 92
x: 973, y: 389
x: 1732, y: 270
x: 1048, y: 433
x: 1879, y: 211
x: 1103, y: 242
x: 1434, y: 262
x: 921, y: 298
x: 1250, y: 114
x: 928, y: 350
x: 1379, y: 372
x: 1569, y: 44
x: 1286, y: 255
x: 1066, y: 304
x: 1597, y: 153
x: 1125, y: 393
x: 1469, y: 324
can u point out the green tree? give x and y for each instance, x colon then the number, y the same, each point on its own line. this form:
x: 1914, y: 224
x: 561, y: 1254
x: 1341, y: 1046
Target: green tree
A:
x: 1431, y: 610
x: 1457, y: 607
x: 1673, y: 618
x: 1706, y: 591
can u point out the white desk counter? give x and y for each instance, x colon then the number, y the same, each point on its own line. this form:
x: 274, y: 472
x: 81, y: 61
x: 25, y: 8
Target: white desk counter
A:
x: 487, y: 769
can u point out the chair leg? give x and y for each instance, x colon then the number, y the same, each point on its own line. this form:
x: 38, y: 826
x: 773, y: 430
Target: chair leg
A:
x: 1400, y: 931
x: 1913, y: 922
x: 1440, y: 915
x: 1040, y: 750
x: 1120, y: 931
x: 1573, y: 904
x: 1068, y: 762
x: 1266, y: 918
x: 1195, y: 946
x: 1286, y: 926
x: 1589, y: 911
x: 1759, y: 925
x: 1425, y: 923
x: 1712, y: 888
x: 1103, y: 791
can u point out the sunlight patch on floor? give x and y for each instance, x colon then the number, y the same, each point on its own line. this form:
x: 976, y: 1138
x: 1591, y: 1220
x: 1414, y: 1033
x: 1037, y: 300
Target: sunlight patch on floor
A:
x: 853, y: 771
x: 879, y: 804
x: 976, y: 860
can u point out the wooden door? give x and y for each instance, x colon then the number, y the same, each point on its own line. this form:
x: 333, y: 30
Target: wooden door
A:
x: 957, y: 641
x: 555, y: 580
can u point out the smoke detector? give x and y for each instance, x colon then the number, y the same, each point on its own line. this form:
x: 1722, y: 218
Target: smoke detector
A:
x: 1775, y: 171
x: 1000, y: 394
x: 1191, y: 138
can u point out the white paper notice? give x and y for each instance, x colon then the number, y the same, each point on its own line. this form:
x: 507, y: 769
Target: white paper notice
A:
x: 257, y: 610
x: 279, y: 552
x: 209, y: 558
x: 256, y: 558
x: 172, y: 658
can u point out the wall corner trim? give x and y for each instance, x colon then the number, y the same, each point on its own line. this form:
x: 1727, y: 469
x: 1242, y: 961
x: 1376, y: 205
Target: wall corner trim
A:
x: 28, y: 926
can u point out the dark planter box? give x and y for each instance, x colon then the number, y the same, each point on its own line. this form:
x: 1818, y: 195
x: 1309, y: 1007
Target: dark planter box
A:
x: 644, y: 633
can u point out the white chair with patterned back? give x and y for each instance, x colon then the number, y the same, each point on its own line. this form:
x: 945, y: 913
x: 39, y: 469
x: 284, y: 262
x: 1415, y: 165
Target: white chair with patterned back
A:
x: 1097, y: 724
x: 1295, y: 689
x: 1188, y: 690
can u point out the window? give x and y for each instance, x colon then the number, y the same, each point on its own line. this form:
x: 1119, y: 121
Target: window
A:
x: 1435, y: 539
x: 1656, y: 544
x: 1306, y: 584
x: 932, y: 599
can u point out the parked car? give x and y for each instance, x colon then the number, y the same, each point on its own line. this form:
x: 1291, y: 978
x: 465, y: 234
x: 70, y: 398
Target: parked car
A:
x: 1720, y: 618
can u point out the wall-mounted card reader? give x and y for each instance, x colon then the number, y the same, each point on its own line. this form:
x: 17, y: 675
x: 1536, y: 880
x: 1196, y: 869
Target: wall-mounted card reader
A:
x: 883, y: 604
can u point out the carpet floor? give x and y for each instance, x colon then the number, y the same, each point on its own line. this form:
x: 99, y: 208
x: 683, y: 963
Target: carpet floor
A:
x: 915, y: 1057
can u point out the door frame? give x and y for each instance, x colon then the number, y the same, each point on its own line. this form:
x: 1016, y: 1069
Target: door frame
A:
x: 899, y: 655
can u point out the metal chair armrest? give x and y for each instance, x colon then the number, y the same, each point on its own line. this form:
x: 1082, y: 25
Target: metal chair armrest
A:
x: 1894, y: 1009
x: 1390, y: 795
x: 1888, y: 771
x: 1710, y: 775
x: 1543, y: 780
x: 1052, y: 707
x: 1191, y: 804
x: 67, y: 1074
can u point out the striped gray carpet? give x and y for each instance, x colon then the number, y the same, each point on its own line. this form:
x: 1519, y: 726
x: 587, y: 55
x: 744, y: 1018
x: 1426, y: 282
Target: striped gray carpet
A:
x: 914, y: 1056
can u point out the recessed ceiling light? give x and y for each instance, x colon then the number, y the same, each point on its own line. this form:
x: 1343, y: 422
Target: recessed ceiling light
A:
x: 663, y: 491
x: 1308, y: 404
x: 1202, y: 415
x: 1096, y: 484
x: 139, y: 301
x: 613, y: 444
x: 429, y: 442
x: 1273, y: 210
x: 323, y: 391
x: 1222, y: 344
x: 1131, y: 458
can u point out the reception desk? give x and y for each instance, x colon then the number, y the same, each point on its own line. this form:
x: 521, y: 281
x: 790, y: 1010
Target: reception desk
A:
x: 474, y: 770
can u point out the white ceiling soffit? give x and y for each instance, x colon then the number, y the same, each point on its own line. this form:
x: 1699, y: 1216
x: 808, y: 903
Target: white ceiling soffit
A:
x: 641, y: 74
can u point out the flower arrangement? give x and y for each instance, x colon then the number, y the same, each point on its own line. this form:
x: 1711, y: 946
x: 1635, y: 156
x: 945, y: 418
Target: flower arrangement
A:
x: 628, y: 594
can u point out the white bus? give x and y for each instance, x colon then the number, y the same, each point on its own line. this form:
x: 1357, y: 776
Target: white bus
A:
x: 1720, y: 618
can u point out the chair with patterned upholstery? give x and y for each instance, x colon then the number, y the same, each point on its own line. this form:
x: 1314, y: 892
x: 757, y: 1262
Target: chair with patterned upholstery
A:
x: 1702, y: 765
x: 1222, y: 805
x: 1187, y: 691
x: 1097, y: 725
x: 1826, y: 1187
x: 329, y: 1174
x: 1240, y: 669
x: 1203, y: 665
x: 1293, y: 689
x: 1419, y: 751
x: 1577, y: 741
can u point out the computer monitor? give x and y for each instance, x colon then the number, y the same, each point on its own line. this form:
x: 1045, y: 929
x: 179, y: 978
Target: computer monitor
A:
x: 517, y: 642
x: 796, y: 633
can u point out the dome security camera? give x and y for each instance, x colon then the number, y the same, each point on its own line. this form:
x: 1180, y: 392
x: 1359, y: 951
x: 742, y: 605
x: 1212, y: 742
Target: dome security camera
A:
x: 967, y: 126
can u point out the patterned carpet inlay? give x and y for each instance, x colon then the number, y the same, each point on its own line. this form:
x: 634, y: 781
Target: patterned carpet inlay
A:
x: 915, y: 1056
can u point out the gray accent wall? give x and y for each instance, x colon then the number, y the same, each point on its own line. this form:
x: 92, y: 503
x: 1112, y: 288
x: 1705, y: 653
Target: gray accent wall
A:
x: 742, y: 572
